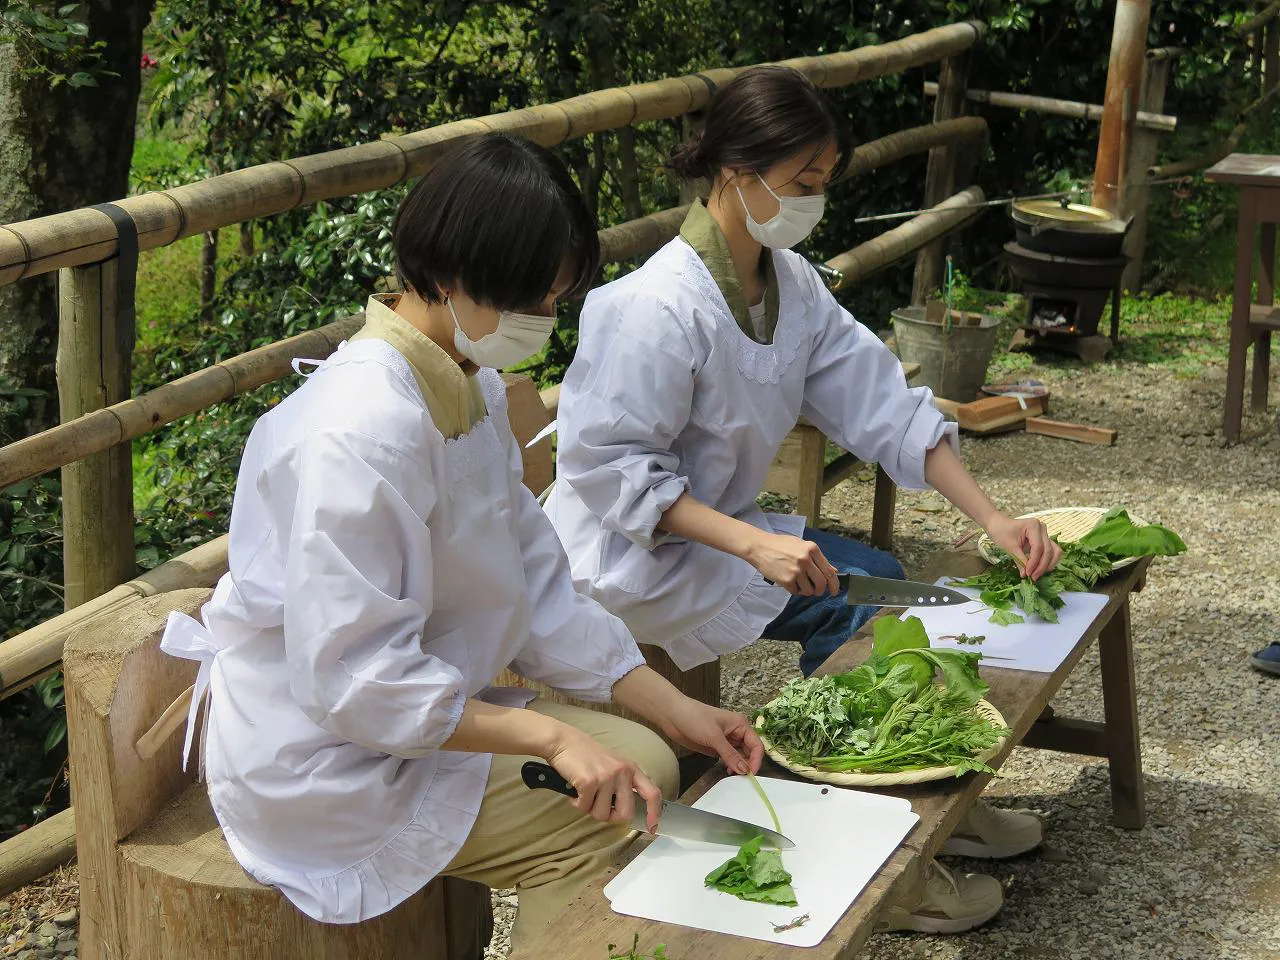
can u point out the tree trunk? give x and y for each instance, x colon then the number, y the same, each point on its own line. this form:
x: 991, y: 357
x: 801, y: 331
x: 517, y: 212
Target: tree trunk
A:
x: 62, y: 148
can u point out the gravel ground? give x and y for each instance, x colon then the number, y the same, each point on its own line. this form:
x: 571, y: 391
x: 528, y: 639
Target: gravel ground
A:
x: 1203, y: 879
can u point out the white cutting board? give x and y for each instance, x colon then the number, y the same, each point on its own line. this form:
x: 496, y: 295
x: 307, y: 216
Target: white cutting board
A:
x: 842, y: 837
x: 1035, y: 645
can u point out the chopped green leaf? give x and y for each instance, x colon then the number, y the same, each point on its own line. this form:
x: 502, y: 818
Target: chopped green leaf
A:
x: 1005, y: 618
x: 754, y: 874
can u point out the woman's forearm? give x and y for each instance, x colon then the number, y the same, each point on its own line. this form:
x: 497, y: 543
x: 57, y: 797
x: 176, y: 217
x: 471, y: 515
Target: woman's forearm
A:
x: 700, y: 523
x: 946, y: 473
x: 488, y: 728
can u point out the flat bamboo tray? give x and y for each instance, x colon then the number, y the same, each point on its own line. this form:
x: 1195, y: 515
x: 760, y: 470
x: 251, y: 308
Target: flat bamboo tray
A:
x: 854, y: 779
x: 1068, y: 524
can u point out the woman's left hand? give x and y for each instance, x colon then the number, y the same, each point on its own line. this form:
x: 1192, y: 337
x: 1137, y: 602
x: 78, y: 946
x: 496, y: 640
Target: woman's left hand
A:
x: 1027, y: 541
x: 717, y: 733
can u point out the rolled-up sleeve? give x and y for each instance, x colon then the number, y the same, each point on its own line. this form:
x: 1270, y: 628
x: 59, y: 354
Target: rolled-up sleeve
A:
x: 353, y: 637
x: 856, y: 394
x: 575, y: 645
x: 620, y: 411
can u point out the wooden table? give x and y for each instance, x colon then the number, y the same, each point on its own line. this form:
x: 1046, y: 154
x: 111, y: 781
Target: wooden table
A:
x: 1258, y: 180
x: 587, y: 925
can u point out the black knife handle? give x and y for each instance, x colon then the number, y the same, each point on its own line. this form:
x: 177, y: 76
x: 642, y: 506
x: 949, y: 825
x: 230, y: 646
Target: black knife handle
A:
x: 543, y: 776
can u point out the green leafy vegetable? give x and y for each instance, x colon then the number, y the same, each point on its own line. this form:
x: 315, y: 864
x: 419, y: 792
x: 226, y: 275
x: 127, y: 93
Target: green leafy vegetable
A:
x: 754, y: 874
x: 1083, y: 564
x: 1117, y: 536
x: 887, y: 715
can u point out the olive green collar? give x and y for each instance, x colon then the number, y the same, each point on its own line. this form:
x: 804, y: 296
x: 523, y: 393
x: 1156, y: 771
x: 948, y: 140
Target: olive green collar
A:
x: 701, y: 232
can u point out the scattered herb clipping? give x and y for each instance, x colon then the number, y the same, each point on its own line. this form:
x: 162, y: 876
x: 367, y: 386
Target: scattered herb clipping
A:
x: 754, y: 874
x: 660, y: 953
x: 888, y: 715
x: 965, y: 640
x: 797, y: 922
x: 1083, y: 564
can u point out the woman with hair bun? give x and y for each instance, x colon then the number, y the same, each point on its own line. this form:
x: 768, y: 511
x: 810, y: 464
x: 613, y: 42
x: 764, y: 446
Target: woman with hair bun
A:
x: 689, y: 374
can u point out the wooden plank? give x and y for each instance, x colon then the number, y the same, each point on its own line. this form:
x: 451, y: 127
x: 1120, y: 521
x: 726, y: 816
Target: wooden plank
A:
x: 840, y: 469
x: 983, y: 414
x: 1071, y: 431
x: 527, y: 415
x: 1020, y: 695
x: 93, y: 369
x: 28, y: 856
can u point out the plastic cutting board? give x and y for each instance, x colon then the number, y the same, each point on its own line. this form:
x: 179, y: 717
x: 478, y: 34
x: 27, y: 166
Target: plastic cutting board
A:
x: 842, y: 839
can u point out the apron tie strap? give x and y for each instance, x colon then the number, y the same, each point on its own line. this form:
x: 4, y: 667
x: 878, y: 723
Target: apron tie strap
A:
x: 189, y: 639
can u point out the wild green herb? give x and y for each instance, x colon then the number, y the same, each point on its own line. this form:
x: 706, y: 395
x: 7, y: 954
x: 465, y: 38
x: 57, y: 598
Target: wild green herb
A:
x: 887, y: 715
x: 659, y: 953
x: 1083, y: 564
x: 754, y: 874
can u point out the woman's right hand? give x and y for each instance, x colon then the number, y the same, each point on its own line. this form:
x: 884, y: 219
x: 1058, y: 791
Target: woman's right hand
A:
x: 794, y: 564
x: 606, y: 782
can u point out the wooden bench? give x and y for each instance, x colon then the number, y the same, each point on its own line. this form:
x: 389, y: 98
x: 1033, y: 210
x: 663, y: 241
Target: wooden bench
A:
x: 588, y: 923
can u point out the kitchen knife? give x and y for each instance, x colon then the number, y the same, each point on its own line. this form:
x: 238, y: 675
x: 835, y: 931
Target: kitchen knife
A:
x: 885, y: 592
x: 677, y: 820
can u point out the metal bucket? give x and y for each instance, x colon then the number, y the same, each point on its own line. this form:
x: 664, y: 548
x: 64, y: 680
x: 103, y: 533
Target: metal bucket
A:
x: 953, y: 363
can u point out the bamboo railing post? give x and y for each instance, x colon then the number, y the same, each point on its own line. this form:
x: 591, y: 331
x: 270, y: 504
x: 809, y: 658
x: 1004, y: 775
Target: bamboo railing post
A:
x: 942, y: 174
x: 93, y: 369
x: 1136, y: 198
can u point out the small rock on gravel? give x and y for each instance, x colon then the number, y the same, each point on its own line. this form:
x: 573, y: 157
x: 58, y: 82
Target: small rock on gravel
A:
x: 66, y: 919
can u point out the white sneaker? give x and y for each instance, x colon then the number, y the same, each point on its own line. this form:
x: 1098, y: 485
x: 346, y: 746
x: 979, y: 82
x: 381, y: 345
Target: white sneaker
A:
x: 991, y: 833
x: 947, y: 903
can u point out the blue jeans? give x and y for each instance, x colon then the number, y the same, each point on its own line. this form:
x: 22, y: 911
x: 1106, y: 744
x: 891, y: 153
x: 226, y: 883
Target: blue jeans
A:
x: 821, y: 625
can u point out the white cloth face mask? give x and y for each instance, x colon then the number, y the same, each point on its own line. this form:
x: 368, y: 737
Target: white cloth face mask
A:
x: 517, y: 337
x: 795, y: 219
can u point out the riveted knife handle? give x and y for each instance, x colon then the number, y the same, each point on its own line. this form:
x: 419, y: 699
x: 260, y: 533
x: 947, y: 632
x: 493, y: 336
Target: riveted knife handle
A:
x: 543, y: 776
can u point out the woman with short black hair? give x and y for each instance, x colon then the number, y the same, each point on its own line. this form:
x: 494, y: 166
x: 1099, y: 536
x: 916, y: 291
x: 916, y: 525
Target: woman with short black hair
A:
x: 689, y: 374
x: 386, y: 564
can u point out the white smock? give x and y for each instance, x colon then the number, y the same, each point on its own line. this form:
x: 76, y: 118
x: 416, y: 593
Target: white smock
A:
x: 379, y: 576
x: 666, y: 394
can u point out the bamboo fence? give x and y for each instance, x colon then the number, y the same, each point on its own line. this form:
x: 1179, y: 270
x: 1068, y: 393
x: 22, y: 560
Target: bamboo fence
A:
x: 1060, y: 108
x: 79, y: 242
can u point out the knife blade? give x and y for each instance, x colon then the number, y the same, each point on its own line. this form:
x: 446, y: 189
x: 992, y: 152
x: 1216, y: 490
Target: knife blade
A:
x: 676, y: 820
x: 885, y: 592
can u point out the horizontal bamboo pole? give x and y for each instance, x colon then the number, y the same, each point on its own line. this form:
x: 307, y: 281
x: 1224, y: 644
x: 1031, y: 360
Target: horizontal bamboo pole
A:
x: 30, y: 855
x: 902, y: 241
x: 82, y: 236
x: 129, y: 419
x: 879, y: 153
x: 1166, y: 53
x: 38, y: 651
x: 1257, y: 22
x: 1223, y: 150
x: 1059, y: 108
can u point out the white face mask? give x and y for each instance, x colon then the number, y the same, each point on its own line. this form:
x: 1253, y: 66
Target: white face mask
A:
x: 795, y: 220
x: 517, y: 337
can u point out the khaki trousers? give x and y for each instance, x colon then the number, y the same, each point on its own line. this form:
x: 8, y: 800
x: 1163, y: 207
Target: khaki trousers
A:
x: 535, y: 841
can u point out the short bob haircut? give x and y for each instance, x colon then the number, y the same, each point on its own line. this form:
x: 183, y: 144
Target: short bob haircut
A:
x: 759, y: 119
x: 500, y: 217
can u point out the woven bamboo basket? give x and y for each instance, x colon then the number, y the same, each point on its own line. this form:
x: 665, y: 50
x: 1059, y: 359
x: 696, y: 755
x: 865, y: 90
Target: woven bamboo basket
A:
x: 1068, y: 524
x: 854, y: 779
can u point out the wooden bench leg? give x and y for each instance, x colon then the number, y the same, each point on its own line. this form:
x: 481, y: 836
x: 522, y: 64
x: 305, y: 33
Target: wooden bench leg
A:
x: 1266, y: 296
x: 1120, y: 707
x: 886, y: 503
x: 1240, y: 315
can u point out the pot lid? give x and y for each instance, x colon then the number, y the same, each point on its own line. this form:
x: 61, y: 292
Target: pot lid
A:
x: 1061, y: 212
